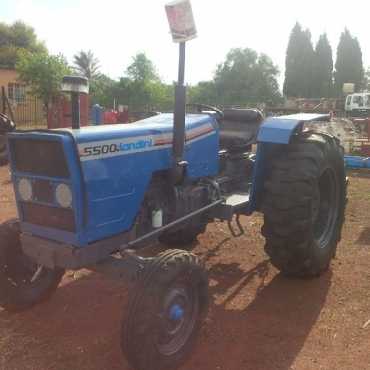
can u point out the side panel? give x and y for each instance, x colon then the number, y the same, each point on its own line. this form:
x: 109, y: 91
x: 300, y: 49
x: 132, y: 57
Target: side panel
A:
x: 116, y: 186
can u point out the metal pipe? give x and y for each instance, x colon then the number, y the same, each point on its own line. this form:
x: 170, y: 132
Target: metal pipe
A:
x: 75, y: 106
x: 179, y: 114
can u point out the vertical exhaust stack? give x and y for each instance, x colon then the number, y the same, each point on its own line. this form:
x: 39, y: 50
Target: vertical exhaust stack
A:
x: 75, y: 85
x: 182, y: 27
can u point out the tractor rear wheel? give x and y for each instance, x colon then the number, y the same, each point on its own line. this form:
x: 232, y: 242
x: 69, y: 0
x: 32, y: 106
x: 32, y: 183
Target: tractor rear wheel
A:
x: 23, y: 283
x: 165, y: 311
x: 303, y: 205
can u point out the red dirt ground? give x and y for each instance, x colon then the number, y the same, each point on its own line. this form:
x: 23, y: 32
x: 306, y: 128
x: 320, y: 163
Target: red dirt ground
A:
x: 258, y: 320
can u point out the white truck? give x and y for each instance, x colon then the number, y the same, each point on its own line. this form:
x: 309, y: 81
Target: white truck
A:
x: 358, y: 105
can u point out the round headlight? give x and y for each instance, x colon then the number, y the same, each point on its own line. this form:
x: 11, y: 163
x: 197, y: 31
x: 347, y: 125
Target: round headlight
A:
x: 25, y: 189
x: 63, y: 195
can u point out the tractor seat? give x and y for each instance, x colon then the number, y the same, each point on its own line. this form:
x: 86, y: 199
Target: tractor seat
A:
x: 239, y: 128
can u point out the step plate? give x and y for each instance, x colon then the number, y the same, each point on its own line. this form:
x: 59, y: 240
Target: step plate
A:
x: 234, y: 203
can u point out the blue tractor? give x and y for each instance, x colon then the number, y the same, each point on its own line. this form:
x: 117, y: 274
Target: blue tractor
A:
x: 92, y: 197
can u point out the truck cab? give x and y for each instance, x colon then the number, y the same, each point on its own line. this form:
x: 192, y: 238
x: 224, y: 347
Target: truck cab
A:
x: 358, y: 104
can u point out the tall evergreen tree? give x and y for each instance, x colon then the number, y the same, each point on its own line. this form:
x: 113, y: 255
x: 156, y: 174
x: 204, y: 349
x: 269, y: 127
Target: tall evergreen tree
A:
x: 323, y: 69
x: 349, y: 66
x: 299, y: 64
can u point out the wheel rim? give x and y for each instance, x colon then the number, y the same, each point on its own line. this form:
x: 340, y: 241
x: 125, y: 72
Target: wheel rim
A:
x: 325, y: 207
x: 178, y: 319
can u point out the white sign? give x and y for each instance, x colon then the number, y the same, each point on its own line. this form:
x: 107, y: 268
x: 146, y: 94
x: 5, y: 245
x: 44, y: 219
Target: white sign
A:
x: 181, y: 20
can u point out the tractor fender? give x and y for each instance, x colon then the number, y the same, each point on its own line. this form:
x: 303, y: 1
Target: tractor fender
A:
x: 273, y: 135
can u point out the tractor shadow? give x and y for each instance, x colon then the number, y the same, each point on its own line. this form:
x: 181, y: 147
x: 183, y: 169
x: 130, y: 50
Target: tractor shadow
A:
x: 257, y: 320
x: 364, y: 237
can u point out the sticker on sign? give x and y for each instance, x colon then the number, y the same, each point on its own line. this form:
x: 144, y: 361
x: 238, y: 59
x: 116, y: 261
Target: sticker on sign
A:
x: 181, y: 20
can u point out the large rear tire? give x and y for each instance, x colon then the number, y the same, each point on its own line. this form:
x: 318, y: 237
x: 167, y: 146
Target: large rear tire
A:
x: 165, y: 312
x: 303, y: 204
x: 22, y: 282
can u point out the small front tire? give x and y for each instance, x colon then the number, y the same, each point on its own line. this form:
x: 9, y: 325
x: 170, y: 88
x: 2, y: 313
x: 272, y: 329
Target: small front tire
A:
x: 23, y: 283
x: 165, y: 312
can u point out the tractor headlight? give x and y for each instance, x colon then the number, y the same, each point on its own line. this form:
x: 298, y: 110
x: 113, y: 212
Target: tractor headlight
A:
x: 25, y: 189
x: 63, y: 195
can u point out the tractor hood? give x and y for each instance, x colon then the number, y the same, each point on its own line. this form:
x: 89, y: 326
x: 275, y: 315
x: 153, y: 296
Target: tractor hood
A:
x: 156, y: 125
x: 143, y: 135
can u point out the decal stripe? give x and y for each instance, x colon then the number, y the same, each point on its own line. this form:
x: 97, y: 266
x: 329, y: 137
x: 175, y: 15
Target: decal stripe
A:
x: 112, y: 148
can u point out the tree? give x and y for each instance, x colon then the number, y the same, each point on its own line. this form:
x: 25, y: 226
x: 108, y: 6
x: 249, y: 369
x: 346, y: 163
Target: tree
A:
x: 43, y: 73
x: 87, y: 64
x: 299, y: 64
x: 142, y: 86
x: 203, y: 93
x: 102, y: 90
x: 246, y: 78
x: 323, y: 68
x: 16, y: 38
x: 142, y: 69
x: 348, y: 67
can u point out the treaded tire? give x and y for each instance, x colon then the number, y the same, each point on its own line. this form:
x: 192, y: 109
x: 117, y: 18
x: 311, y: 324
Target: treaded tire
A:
x: 184, y: 238
x: 3, y: 151
x: 303, y: 204
x: 143, y: 339
x: 17, y: 290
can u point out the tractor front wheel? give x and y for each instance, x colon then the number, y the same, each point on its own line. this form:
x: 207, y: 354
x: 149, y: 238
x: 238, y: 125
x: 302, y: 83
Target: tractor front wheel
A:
x: 23, y: 283
x: 303, y: 204
x: 165, y: 311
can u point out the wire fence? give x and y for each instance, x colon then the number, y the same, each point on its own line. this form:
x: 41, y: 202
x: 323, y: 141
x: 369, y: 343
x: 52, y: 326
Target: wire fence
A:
x: 29, y: 112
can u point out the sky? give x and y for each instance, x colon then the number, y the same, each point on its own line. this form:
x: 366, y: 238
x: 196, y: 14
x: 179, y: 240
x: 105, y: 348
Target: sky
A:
x: 115, y: 30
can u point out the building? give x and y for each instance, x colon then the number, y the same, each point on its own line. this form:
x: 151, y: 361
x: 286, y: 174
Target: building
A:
x: 27, y: 110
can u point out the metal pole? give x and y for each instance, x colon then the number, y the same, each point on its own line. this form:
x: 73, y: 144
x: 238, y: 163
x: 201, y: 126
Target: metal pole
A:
x: 179, y: 114
x: 75, y: 105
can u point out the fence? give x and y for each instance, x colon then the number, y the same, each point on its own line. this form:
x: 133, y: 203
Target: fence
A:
x: 27, y: 111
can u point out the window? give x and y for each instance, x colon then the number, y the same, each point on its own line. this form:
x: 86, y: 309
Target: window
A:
x: 16, y: 92
x: 367, y: 100
x: 358, y: 100
x: 349, y: 99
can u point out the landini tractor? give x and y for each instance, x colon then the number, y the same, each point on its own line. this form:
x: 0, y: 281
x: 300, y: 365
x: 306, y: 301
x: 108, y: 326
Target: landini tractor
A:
x: 92, y: 197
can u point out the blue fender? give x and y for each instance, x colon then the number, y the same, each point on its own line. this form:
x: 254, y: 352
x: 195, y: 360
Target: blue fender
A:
x: 274, y: 133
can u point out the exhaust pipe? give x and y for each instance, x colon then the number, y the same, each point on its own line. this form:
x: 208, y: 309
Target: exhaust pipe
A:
x: 178, y: 143
x: 182, y: 27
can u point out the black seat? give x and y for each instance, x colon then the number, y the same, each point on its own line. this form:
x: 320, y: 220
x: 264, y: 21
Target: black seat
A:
x: 239, y: 128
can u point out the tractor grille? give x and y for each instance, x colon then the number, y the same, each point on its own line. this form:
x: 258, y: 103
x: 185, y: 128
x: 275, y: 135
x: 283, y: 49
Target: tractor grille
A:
x: 39, y: 157
x: 47, y: 216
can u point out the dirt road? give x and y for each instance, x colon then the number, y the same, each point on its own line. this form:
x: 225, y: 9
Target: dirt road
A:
x: 258, y: 320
